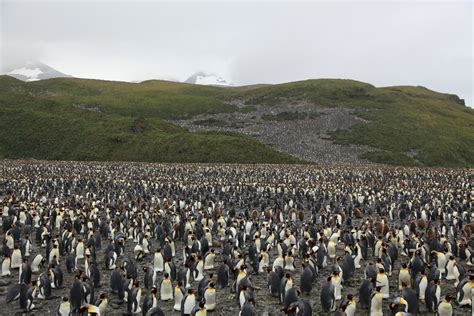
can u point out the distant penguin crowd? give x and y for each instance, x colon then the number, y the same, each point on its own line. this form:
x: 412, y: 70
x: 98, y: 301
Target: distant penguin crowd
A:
x: 90, y: 238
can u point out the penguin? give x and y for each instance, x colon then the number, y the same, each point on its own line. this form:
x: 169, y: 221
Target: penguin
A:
x: 382, y: 282
x: 306, y: 280
x: 135, y: 297
x: 245, y: 293
x: 433, y: 295
x: 365, y: 292
x: 203, y: 284
x: 302, y: 308
x: 44, y: 286
x: 358, y: 256
x: 441, y: 261
x: 6, y: 266
x: 347, y: 266
x: 404, y: 277
x: 149, y: 277
x: 166, y: 288
x: 158, y: 262
x: 71, y: 263
x: 80, y: 250
x: 328, y: 299
x: 178, y: 296
x: 279, y: 262
x: 291, y: 296
x: 200, y: 310
x: 420, y: 285
x: 94, y: 274
x: 209, y: 260
x: 110, y: 260
x: 376, y: 302
x: 433, y: 272
x: 464, y: 291
x: 150, y: 300
x: 445, y: 308
x: 411, y: 298
x: 273, y: 282
x: 76, y: 295
x: 248, y: 309
x: 199, y: 270
x: 27, y: 294
x: 155, y: 311
x: 210, y: 297
x: 188, y: 303
x: 223, y: 275
x: 336, y: 281
x: 349, y: 306
x: 88, y: 289
x: 290, y: 262
x: 285, y: 284
x: 14, y: 292
x: 450, y: 269
x: 25, y: 272
x: 138, y: 252
x: 89, y: 309
x: 331, y: 249
x: 16, y: 258
x: 64, y: 307
x: 37, y: 263
x: 102, y: 303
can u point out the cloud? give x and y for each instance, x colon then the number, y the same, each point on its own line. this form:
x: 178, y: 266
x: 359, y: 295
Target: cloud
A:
x: 384, y: 43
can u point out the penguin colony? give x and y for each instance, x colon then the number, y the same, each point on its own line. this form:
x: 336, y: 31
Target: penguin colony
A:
x: 154, y: 239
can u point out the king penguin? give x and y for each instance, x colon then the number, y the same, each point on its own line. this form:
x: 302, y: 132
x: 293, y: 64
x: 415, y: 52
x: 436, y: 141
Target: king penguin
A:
x: 445, y: 308
x: 6, y: 266
x: 64, y: 307
x: 328, y: 300
x: 365, y: 292
x: 166, y: 288
x: 178, y: 296
x: 376, y: 302
x: 210, y: 297
x: 188, y: 303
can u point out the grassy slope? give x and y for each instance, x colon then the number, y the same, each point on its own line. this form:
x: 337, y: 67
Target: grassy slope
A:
x: 39, y: 121
x: 49, y: 120
x: 407, y: 125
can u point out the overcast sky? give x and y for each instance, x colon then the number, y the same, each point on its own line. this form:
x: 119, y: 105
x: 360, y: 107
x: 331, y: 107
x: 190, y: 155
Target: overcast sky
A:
x: 380, y: 42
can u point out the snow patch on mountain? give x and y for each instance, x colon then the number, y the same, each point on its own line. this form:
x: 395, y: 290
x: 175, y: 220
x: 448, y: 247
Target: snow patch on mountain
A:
x: 32, y: 71
x: 208, y: 79
x: 30, y: 74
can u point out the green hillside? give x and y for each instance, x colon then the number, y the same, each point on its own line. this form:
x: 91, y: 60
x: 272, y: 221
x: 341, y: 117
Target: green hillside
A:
x: 85, y: 119
x: 407, y: 125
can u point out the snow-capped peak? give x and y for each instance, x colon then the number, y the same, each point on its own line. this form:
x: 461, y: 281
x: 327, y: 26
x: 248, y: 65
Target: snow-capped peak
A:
x: 30, y: 74
x: 32, y: 71
x: 208, y: 79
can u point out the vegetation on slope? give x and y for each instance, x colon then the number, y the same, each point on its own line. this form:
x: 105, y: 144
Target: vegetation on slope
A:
x: 407, y: 125
x: 39, y: 120
x: 68, y: 118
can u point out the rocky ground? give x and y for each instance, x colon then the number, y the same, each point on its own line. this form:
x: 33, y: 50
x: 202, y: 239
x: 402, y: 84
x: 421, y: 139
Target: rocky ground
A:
x: 227, y: 301
x: 303, y: 137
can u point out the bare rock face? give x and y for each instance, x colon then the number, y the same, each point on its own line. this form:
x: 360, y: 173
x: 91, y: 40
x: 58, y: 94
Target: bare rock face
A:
x: 295, y: 127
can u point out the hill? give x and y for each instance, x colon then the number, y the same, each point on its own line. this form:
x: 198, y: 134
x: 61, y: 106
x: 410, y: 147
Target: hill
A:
x: 81, y: 119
